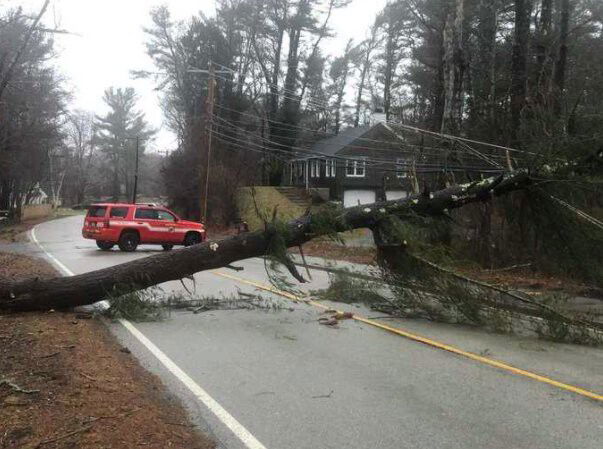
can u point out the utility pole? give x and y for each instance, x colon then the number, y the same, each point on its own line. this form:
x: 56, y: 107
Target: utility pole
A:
x: 136, y: 172
x: 137, y: 157
x: 211, y: 89
x: 210, y: 100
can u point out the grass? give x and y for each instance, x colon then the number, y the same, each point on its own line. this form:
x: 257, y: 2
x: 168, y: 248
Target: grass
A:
x: 267, y: 199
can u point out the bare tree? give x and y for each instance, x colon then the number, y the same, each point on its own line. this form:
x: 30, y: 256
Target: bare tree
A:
x: 454, y: 69
x: 364, y: 62
x: 80, y: 131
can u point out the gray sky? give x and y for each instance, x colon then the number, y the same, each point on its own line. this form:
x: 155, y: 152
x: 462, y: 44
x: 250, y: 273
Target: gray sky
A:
x: 110, y: 43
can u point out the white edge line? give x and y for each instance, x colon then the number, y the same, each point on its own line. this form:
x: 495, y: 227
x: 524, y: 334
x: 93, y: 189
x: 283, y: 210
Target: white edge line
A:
x: 220, y: 412
x: 227, y: 419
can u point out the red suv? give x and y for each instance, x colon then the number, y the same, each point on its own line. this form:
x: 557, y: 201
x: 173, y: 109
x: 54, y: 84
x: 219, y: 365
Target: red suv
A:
x: 129, y: 225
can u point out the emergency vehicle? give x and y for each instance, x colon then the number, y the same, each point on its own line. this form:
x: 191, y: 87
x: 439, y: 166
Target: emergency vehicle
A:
x: 130, y: 225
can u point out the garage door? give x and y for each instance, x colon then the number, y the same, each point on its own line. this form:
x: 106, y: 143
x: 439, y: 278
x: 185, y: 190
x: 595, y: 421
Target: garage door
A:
x: 354, y: 197
x: 392, y: 195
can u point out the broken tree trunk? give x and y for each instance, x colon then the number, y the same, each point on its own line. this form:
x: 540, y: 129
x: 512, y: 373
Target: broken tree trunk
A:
x: 88, y: 288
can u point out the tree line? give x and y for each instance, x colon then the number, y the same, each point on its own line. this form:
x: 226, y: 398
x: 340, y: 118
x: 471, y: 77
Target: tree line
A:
x: 521, y: 73
x: 69, y: 155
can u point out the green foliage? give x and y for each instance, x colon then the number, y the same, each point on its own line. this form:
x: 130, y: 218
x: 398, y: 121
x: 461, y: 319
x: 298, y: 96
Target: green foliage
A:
x: 350, y: 290
x: 553, y: 329
x: 568, y: 244
x: 420, y: 287
x: 138, y: 306
x: 328, y: 221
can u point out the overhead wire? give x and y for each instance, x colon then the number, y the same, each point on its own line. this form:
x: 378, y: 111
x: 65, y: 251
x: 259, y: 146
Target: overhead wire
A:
x: 309, y: 153
x: 340, y: 163
x: 424, y: 149
x: 415, y: 129
x: 415, y: 153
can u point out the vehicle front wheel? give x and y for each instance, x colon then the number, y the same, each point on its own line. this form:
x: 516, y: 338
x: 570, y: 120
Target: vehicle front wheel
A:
x: 105, y: 246
x: 192, y: 238
x: 129, y: 241
x: 167, y: 247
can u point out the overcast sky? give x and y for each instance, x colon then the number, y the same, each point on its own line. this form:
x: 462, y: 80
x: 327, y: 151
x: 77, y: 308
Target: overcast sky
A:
x: 110, y: 43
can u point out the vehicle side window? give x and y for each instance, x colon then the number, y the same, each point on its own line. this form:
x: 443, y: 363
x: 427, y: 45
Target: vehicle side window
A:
x: 146, y: 214
x: 119, y: 212
x: 165, y: 216
x: 97, y: 211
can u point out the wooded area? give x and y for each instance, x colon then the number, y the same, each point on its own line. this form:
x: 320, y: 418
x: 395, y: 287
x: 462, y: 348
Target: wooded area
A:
x: 494, y: 71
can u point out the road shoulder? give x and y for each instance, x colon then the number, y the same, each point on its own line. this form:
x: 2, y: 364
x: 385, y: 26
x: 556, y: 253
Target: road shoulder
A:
x: 68, y: 383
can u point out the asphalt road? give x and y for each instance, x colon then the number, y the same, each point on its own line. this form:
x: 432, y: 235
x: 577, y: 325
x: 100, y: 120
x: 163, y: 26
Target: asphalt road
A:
x: 292, y: 383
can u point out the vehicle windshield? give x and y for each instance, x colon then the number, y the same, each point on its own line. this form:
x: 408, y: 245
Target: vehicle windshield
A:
x: 97, y: 211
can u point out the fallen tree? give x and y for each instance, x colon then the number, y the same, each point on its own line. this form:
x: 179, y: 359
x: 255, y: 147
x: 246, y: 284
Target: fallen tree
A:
x: 88, y: 288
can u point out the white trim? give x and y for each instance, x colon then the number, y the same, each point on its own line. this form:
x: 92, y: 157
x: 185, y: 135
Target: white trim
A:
x: 330, y: 168
x: 315, y: 168
x: 401, y: 173
x: 356, y: 167
x: 248, y: 440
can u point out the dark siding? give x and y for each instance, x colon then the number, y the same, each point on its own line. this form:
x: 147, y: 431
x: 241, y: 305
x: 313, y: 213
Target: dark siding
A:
x: 377, y: 144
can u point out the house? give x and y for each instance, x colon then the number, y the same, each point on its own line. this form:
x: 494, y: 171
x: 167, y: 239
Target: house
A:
x: 36, y: 196
x: 358, y: 166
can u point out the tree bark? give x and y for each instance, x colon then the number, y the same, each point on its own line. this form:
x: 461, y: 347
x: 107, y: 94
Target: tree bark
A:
x: 485, y: 73
x: 543, y: 49
x: 366, y: 65
x: 88, y: 288
x: 519, y: 63
x: 560, y: 65
x: 453, y: 69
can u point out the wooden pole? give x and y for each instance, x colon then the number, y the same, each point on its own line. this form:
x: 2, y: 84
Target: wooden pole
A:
x: 136, y: 171
x: 211, y: 88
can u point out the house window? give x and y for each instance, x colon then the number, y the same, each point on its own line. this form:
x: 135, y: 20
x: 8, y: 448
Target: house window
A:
x: 315, y: 168
x: 330, y: 168
x: 401, y: 168
x: 355, y: 168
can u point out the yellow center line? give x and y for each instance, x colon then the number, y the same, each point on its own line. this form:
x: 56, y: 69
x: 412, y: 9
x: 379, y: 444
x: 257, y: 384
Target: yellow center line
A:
x: 424, y: 340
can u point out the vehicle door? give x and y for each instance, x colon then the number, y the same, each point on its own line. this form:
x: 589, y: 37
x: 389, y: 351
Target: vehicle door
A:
x: 147, y: 223
x: 168, y: 223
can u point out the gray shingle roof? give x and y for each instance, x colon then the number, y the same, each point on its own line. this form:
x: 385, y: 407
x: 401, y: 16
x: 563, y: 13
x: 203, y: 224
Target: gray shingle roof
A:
x: 336, y: 143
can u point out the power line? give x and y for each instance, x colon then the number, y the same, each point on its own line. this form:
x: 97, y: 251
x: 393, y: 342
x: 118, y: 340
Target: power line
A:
x: 449, y: 137
x: 313, y: 152
x: 422, y: 148
x: 308, y: 153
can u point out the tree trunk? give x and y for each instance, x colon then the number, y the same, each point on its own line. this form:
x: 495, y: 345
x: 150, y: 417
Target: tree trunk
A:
x: 485, y: 73
x: 366, y: 65
x: 519, y: 79
x: 453, y: 69
x: 560, y: 65
x: 91, y: 287
x: 543, y: 49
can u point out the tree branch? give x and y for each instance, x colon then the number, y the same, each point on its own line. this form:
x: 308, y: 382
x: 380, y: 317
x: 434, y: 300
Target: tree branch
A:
x: 11, y: 68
